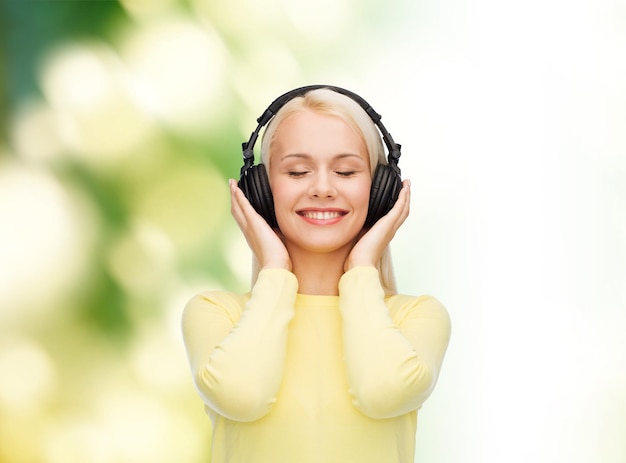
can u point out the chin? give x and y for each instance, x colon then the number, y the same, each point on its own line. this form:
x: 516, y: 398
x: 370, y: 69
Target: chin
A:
x: 322, y: 247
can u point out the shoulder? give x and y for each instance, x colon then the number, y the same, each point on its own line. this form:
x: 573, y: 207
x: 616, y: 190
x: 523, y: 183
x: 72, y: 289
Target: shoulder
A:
x: 403, y: 306
x: 215, y: 302
x: 231, y: 305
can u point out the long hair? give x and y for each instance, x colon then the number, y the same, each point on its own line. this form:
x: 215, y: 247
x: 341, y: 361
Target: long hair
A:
x: 328, y: 102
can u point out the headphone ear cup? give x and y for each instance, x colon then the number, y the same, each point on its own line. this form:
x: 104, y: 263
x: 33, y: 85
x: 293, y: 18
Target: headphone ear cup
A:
x: 255, y: 185
x: 386, y: 186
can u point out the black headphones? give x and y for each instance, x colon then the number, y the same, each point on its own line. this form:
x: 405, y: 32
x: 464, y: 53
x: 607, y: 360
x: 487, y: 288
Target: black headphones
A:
x: 386, y: 182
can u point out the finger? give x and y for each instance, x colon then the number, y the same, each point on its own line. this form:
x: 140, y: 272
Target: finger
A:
x: 249, y: 220
x: 404, y: 200
x: 248, y: 211
x: 236, y: 207
x: 405, y: 192
x: 400, y: 210
x: 406, y: 204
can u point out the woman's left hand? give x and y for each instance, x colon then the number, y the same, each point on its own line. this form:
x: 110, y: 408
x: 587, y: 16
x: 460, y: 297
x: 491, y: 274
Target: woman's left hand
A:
x: 370, y: 246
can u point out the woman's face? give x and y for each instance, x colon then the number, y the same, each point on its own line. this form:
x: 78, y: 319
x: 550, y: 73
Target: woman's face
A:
x: 320, y: 178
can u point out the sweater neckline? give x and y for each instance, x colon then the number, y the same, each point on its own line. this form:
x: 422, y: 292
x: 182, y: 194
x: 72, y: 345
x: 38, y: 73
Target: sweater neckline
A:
x: 316, y: 301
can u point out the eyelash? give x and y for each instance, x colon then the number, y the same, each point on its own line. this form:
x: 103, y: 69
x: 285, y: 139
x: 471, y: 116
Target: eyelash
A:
x: 348, y: 173
x: 297, y: 174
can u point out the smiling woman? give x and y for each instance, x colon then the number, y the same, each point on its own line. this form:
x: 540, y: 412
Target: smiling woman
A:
x: 322, y: 360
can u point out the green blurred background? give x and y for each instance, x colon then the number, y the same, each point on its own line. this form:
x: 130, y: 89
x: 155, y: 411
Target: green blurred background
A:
x: 121, y: 122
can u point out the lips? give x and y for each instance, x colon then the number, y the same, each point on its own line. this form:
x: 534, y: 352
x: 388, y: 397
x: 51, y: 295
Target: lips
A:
x: 322, y: 215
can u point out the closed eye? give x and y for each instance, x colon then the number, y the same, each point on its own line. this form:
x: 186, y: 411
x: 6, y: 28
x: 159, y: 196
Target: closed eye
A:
x: 346, y: 173
x: 296, y: 173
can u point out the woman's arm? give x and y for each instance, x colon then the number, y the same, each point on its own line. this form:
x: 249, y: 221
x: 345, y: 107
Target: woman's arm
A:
x: 237, y: 356
x: 392, y: 364
x: 237, y: 363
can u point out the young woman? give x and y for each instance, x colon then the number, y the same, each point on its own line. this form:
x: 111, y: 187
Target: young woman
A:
x: 322, y: 361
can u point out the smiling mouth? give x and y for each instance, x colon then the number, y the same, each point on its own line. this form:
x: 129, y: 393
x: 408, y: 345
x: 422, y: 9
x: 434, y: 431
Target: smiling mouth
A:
x: 321, y: 215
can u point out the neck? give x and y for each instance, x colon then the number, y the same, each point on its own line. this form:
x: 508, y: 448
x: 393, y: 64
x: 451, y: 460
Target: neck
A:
x: 319, y: 274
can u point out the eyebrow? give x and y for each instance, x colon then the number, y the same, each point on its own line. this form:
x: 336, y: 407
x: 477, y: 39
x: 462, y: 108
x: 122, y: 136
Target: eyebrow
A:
x: 308, y: 156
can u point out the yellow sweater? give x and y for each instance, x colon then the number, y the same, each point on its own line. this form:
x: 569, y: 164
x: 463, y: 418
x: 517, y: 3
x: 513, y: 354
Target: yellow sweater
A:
x: 292, y: 378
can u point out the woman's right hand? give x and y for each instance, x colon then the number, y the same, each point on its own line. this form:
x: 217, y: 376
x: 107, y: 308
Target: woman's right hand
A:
x: 264, y: 242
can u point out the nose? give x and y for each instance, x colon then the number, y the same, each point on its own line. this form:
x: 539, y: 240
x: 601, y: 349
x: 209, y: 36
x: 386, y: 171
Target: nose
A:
x: 322, y: 185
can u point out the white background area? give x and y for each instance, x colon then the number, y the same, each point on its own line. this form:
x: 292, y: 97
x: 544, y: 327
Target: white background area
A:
x: 512, y: 118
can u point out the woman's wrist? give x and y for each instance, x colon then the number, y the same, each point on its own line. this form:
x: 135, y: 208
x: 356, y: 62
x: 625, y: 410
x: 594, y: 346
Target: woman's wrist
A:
x: 276, y: 264
x: 353, y: 263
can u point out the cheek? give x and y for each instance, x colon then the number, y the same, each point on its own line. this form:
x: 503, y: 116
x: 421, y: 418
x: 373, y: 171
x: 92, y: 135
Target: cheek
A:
x: 280, y: 195
x: 362, y: 195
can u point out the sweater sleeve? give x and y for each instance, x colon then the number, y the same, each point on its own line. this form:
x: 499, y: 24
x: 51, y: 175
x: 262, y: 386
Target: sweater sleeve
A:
x: 392, y: 363
x: 237, y: 361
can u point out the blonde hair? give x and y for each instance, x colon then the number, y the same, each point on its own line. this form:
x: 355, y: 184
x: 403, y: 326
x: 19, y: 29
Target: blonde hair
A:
x: 329, y: 102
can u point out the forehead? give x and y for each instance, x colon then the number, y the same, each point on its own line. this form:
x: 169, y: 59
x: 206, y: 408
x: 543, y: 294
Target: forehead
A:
x: 311, y: 132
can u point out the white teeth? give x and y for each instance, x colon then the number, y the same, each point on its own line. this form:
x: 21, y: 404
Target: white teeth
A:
x: 326, y: 215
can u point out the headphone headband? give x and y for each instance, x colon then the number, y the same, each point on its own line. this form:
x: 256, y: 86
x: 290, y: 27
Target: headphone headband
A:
x: 393, y: 148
